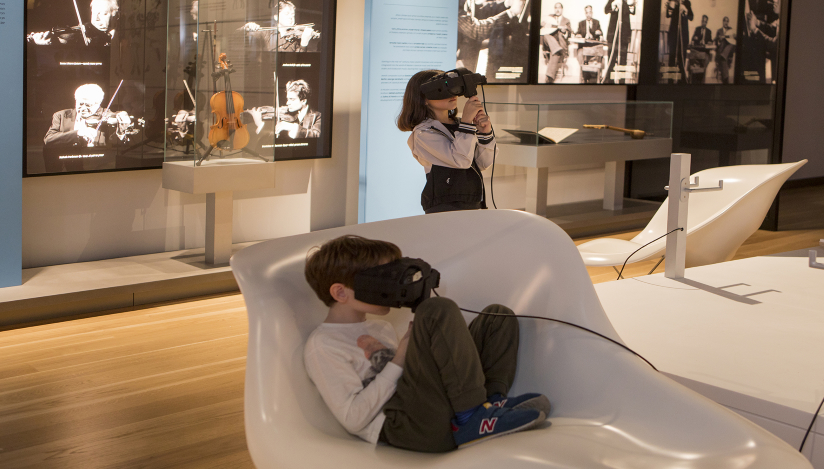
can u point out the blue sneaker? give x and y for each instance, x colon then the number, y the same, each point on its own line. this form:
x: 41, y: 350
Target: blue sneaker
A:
x: 530, y: 400
x: 490, y: 422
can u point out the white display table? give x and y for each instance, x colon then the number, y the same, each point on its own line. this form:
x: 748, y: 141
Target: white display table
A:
x: 218, y: 178
x: 539, y: 160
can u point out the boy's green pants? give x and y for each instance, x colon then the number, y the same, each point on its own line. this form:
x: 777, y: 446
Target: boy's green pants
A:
x: 448, y: 369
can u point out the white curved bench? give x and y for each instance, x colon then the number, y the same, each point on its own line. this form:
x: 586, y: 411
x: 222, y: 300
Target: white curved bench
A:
x: 717, y: 224
x: 610, y: 409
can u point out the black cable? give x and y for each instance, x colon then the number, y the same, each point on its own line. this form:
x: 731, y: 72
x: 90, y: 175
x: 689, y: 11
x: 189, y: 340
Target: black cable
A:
x: 559, y: 321
x: 494, y: 154
x: 810, y: 428
x: 642, y: 247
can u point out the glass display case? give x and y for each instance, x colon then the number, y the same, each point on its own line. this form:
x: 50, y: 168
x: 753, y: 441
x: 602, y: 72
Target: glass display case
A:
x: 248, y: 81
x: 558, y: 137
x: 580, y: 123
x: 729, y: 127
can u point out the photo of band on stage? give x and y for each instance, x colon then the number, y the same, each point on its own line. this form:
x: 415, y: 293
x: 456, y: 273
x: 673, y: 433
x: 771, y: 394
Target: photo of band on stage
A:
x: 700, y: 45
x: 583, y: 41
x: 274, y: 60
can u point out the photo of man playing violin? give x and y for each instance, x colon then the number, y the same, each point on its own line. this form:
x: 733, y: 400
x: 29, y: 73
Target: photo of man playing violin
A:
x: 98, y: 31
x: 87, y: 125
x: 284, y: 35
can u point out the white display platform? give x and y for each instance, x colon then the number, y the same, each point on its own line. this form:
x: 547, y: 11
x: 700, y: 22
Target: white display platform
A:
x: 539, y: 160
x: 60, y: 291
x: 218, y: 178
x: 748, y: 334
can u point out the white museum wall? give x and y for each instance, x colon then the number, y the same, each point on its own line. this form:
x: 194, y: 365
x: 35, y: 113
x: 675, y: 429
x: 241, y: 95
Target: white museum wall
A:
x: 804, y: 111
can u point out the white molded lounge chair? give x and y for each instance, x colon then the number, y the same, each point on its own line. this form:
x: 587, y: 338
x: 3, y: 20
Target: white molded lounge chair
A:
x: 718, y: 222
x: 610, y: 409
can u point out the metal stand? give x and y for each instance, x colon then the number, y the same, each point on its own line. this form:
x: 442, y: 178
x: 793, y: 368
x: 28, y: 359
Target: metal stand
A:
x: 813, y: 257
x: 218, y: 227
x: 679, y: 192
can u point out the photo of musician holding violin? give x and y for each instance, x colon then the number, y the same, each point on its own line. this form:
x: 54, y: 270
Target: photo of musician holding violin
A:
x: 80, y: 133
x: 690, y: 53
x: 98, y: 31
x: 284, y: 34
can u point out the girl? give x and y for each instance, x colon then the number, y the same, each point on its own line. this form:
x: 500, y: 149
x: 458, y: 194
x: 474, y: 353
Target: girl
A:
x: 452, y: 152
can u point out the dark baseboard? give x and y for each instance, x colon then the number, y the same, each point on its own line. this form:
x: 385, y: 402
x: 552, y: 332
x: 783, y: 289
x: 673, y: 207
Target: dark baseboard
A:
x: 807, y: 182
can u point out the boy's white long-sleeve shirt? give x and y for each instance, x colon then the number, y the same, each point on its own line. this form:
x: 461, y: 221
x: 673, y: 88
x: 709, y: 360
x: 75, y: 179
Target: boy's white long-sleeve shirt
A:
x: 351, y: 366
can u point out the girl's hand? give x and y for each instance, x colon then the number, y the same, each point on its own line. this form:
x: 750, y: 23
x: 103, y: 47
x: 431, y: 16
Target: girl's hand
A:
x: 483, y: 123
x: 471, y: 109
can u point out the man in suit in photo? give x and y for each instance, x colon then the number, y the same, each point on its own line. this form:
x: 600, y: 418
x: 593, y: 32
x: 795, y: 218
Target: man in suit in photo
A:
x: 619, y: 33
x: 589, y: 28
x: 699, y: 55
x: 725, y: 41
x: 590, y: 58
x: 680, y: 14
x: 555, y: 32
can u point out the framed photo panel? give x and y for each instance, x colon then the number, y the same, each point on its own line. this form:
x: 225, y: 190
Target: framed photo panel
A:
x: 591, y: 42
x: 698, y: 40
x: 494, y: 38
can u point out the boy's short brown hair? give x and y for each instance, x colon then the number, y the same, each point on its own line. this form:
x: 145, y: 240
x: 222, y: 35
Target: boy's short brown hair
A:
x: 338, y: 260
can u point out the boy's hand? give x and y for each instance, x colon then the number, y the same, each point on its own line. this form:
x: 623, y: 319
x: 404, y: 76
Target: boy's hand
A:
x: 400, y: 354
x: 483, y: 123
x: 471, y: 108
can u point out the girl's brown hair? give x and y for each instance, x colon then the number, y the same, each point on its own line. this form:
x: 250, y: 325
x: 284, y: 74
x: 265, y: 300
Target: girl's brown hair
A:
x: 338, y: 260
x: 414, y: 109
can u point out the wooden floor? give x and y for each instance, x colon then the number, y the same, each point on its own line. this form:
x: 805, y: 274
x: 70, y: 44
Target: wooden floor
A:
x: 163, y: 386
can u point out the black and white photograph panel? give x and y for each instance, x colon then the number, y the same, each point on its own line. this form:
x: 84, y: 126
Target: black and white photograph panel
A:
x: 588, y: 41
x: 698, y: 41
x: 91, y: 131
x: 89, y: 65
x: 493, y: 39
x: 759, y: 59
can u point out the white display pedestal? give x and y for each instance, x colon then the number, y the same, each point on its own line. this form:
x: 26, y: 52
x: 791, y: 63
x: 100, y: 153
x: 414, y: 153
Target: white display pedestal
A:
x: 539, y: 160
x: 218, y: 179
x: 748, y: 334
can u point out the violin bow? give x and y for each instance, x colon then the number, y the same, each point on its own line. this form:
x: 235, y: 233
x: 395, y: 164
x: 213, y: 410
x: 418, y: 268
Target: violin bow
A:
x: 189, y: 91
x: 108, y: 107
x: 80, y: 22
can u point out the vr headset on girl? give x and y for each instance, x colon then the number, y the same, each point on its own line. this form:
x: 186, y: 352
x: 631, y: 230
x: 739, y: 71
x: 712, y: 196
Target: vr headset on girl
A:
x: 458, y: 82
x: 405, y: 282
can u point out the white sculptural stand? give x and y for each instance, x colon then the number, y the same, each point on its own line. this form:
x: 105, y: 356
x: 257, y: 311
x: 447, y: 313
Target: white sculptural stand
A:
x: 679, y: 189
x: 218, y: 179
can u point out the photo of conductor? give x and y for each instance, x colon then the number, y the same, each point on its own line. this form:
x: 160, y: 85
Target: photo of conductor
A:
x: 96, y: 30
x: 587, y: 42
x: 493, y: 39
x: 759, y: 54
x: 283, y: 33
x: 700, y: 41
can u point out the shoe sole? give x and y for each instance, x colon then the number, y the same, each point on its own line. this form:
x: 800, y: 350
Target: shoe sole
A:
x: 527, y: 426
x: 540, y: 403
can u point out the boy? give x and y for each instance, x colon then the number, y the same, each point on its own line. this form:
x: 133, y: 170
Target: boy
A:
x: 440, y: 387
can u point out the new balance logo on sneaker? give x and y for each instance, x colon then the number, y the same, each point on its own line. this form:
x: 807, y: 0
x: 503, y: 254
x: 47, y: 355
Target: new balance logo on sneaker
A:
x: 490, y: 421
x: 488, y: 425
x: 531, y: 400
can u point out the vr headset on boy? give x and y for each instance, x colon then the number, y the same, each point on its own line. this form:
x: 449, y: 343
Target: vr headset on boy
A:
x: 458, y: 82
x: 405, y: 282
